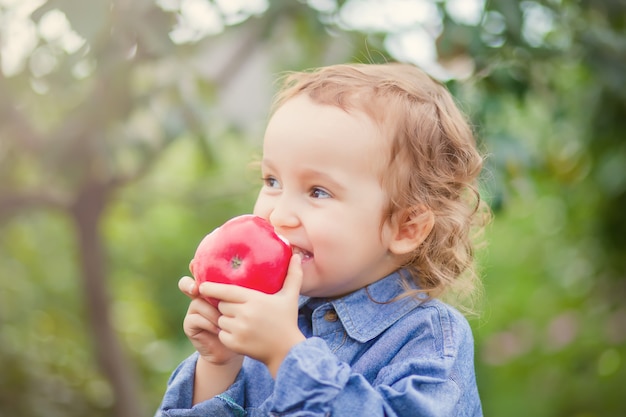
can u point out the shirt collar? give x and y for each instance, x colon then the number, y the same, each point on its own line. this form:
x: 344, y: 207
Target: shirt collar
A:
x: 367, y: 312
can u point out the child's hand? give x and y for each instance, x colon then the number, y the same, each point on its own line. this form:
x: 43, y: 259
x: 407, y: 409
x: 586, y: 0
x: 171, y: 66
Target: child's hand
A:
x: 259, y: 325
x: 200, y: 326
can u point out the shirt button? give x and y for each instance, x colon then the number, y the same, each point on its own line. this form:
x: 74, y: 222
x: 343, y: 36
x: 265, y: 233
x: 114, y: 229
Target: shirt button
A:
x: 331, y: 315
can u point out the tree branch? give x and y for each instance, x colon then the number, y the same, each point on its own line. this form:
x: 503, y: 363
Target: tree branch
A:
x: 11, y: 204
x: 14, y: 120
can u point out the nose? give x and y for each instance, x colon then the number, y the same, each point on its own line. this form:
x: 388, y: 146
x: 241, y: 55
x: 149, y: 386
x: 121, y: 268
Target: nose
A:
x: 283, y: 214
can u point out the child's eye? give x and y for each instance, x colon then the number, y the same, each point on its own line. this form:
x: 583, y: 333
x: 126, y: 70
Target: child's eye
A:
x: 317, y: 192
x: 271, y: 182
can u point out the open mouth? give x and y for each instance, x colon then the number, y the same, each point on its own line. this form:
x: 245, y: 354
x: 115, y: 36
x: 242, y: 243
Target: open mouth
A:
x: 305, y: 254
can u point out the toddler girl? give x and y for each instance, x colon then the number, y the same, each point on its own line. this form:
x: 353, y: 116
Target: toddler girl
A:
x: 370, y: 172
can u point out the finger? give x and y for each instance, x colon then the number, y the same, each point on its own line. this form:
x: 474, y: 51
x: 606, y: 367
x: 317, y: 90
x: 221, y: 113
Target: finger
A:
x: 228, y: 334
x: 293, y: 281
x: 202, y: 307
x: 226, y: 323
x: 195, y: 324
x: 188, y: 286
x: 224, y: 292
x: 229, y: 341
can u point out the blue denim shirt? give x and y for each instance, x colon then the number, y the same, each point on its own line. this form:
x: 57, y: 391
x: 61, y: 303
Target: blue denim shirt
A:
x: 363, y: 356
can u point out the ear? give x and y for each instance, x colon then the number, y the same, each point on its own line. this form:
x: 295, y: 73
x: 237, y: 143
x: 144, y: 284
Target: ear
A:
x: 411, y: 228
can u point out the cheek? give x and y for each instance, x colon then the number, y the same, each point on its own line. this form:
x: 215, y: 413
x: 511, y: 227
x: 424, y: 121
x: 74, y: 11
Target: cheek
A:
x: 262, y: 207
x: 335, y: 242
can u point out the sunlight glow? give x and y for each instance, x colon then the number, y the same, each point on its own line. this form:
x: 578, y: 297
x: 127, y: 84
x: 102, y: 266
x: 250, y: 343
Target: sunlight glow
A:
x: 237, y: 11
x: 388, y: 15
x: 468, y: 12
x: 493, y: 26
x: 17, y: 33
x: 412, y: 27
x: 415, y: 45
x: 324, y: 6
x: 198, y: 19
x: 54, y: 27
x: 538, y: 22
x: 21, y: 38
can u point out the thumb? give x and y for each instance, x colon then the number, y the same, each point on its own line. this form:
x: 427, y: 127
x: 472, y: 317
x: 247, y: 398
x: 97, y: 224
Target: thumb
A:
x: 293, y: 280
x: 188, y: 286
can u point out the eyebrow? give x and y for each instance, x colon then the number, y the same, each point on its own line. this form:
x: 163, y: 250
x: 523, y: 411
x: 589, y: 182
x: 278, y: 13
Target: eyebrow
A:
x: 324, y: 179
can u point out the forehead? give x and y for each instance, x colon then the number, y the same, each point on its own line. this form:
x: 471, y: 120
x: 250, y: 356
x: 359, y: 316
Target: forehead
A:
x: 325, y: 133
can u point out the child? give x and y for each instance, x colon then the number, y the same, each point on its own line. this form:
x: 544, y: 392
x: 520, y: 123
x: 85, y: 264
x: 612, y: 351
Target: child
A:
x: 369, y: 171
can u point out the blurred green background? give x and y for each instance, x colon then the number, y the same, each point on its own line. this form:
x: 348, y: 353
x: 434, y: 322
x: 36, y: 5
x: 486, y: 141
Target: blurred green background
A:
x: 126, y: 133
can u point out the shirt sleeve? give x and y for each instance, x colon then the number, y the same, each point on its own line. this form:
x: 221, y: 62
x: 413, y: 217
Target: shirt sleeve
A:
x: 177, y: 401
x: 312, y: 381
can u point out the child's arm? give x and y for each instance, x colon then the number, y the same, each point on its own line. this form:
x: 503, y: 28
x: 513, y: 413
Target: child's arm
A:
x: 178, y: 399
x: 217, y: 366
x: 212, y: 379
x: 209, y: 380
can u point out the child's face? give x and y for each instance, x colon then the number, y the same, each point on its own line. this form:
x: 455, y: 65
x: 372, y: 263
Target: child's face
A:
x: 321, y: 168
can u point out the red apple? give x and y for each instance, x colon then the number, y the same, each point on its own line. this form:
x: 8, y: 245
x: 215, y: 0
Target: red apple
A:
x: 244, y: 251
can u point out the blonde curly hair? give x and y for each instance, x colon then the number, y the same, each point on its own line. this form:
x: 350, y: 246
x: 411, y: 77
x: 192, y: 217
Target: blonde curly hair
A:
x: 433, y: 161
